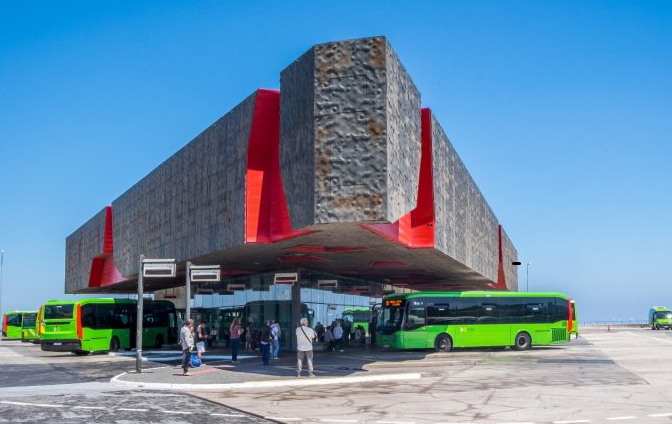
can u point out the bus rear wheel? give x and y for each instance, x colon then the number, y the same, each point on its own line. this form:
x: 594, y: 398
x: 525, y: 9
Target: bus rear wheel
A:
x: 114, y: 344
x: 443, y: 343
x: 523, y: 341
x: 158, y: 343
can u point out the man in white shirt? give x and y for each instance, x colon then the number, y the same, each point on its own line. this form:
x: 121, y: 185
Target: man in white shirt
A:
x: 338, y: 336
x: 304, y: 347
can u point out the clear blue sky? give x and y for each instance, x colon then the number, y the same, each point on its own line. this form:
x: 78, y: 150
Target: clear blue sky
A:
x: 560, y: 110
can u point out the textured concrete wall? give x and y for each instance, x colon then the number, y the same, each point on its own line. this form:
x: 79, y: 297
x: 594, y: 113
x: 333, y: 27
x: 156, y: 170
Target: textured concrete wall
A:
x: 509, y: 255
x: 193, y: 203
x: 81, y: 246
x: 466, y: 228
x: 364, y: 135
x: 297, y: 145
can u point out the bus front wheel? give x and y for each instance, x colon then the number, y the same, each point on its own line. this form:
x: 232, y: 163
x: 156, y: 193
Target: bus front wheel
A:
x: 523, y: 341
x: 443, y: 343
x: 114, y: 344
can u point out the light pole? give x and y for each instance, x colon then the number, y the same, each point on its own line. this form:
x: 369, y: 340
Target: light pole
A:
x: 527, y: 278
x: 150, y: 268
x: 2, y: 259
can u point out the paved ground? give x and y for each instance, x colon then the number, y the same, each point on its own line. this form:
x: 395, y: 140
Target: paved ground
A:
x: 45, y: 387
x: 622, y: 376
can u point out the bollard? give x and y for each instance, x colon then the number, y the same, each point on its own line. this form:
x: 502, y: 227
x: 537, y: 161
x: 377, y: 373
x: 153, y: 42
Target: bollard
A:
x: 608, y: 328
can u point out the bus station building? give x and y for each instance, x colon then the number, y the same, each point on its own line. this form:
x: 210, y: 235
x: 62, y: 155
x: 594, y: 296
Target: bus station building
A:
x: 341, y: 176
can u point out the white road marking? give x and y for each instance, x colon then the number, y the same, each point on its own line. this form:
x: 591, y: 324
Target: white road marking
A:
x: 571, y: 421
x: 44, y: 405
x: 629, y: 417
x: 227, y: 415
x: 666, y: 414
x: 395, y: 422
x: 284, y: 418
x: 90, y: 407
x: 329, y: 420
x: 132, y: 409
x: 177, y: 412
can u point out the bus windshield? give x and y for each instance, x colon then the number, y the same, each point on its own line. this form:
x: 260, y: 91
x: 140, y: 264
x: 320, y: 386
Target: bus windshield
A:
x: 356, y: 316
x: 29, y: 320
x: 391, y: 318
x: 58, y: 311
x: 664, y: 315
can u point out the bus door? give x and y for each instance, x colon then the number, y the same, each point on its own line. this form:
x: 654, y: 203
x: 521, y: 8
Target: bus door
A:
x: 464, y: 314
x: 415, y: 324
x: 491, y: 331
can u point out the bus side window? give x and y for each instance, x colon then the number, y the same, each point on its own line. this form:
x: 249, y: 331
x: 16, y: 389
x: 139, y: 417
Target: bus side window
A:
x: 104, y: 315
x: 464, y: 310
x: 489, y: 314
x: 438, y: 314
x: 535, y: 313
x: 416, y: 315
x: 88, y: 316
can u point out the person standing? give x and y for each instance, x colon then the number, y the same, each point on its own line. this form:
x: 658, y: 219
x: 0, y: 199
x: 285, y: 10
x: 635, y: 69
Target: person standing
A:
x: 265, y: 342
x: 305, y: 336
x: 248, y: 339
x: 338, y: 336
x: 329, y: 339
x: 187, y: 344
x: 236, y: 331
x: 201, y: 337
x: 275, y: 339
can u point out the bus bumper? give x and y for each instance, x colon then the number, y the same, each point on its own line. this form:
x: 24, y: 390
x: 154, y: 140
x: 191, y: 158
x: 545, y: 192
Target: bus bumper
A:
x: 61, y: 345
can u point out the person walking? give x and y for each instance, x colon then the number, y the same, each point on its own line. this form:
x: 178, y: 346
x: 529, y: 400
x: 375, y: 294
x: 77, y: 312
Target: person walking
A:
x: 305, y: 336
x: 236, y: 331
x: 201, y: 337
x: 187, y: 344
x: 275, y: 339
x: 329, y: 339
x: 338, y: 336
x: 265, y: 342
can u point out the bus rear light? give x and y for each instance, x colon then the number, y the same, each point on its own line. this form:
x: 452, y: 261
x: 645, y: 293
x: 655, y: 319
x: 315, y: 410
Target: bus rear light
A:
x: 39, y: 322
x: 4, y: 324
x: 570, y: 320
x: 79, y: 321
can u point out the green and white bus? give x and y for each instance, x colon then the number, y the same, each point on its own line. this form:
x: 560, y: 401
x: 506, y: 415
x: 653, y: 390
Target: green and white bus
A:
x: 660, y: 317
x: 29, y: 327
x: 90, y: 325
x: 447, y: 320
x: 12, y: 323
x: 358, y: 315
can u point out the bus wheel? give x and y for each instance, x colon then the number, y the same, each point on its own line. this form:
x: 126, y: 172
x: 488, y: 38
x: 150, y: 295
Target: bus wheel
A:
x: 523, y: 341
x: 114, y: 344
x: 81, y: 352
x: 443, y: 343
x: 158, y: 343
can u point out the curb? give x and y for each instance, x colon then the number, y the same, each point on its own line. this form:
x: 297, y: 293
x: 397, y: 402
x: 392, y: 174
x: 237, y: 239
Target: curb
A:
x: 301, y: 382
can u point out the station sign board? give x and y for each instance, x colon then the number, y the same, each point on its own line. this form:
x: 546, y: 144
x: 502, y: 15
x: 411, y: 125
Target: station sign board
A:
x: 285, y: 278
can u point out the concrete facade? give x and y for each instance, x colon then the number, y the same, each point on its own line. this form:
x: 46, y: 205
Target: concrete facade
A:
x: 352, y: 110
x: 348, y: 143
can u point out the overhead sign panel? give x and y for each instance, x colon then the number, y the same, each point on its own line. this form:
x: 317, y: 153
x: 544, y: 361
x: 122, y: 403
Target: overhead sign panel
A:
x: 159, y: 268
x: 286, y: 278
x: 327, y: 283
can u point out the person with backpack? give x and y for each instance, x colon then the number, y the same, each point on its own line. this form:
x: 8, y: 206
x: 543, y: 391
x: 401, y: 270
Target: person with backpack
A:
x: 305, y: 336
x: 265, y: 342
x: 275, y: 340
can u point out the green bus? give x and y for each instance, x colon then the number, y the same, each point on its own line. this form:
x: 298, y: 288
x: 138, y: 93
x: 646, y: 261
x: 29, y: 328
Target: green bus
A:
x: 660, y: 317
x: 358, y: 316
x: 29, y: 327
x: 575, y: 319
x: 12, y: 323
x: 104, y: 324
x: 447, y: 320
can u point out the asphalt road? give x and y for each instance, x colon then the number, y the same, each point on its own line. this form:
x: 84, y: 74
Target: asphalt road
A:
x: 44, y: 387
